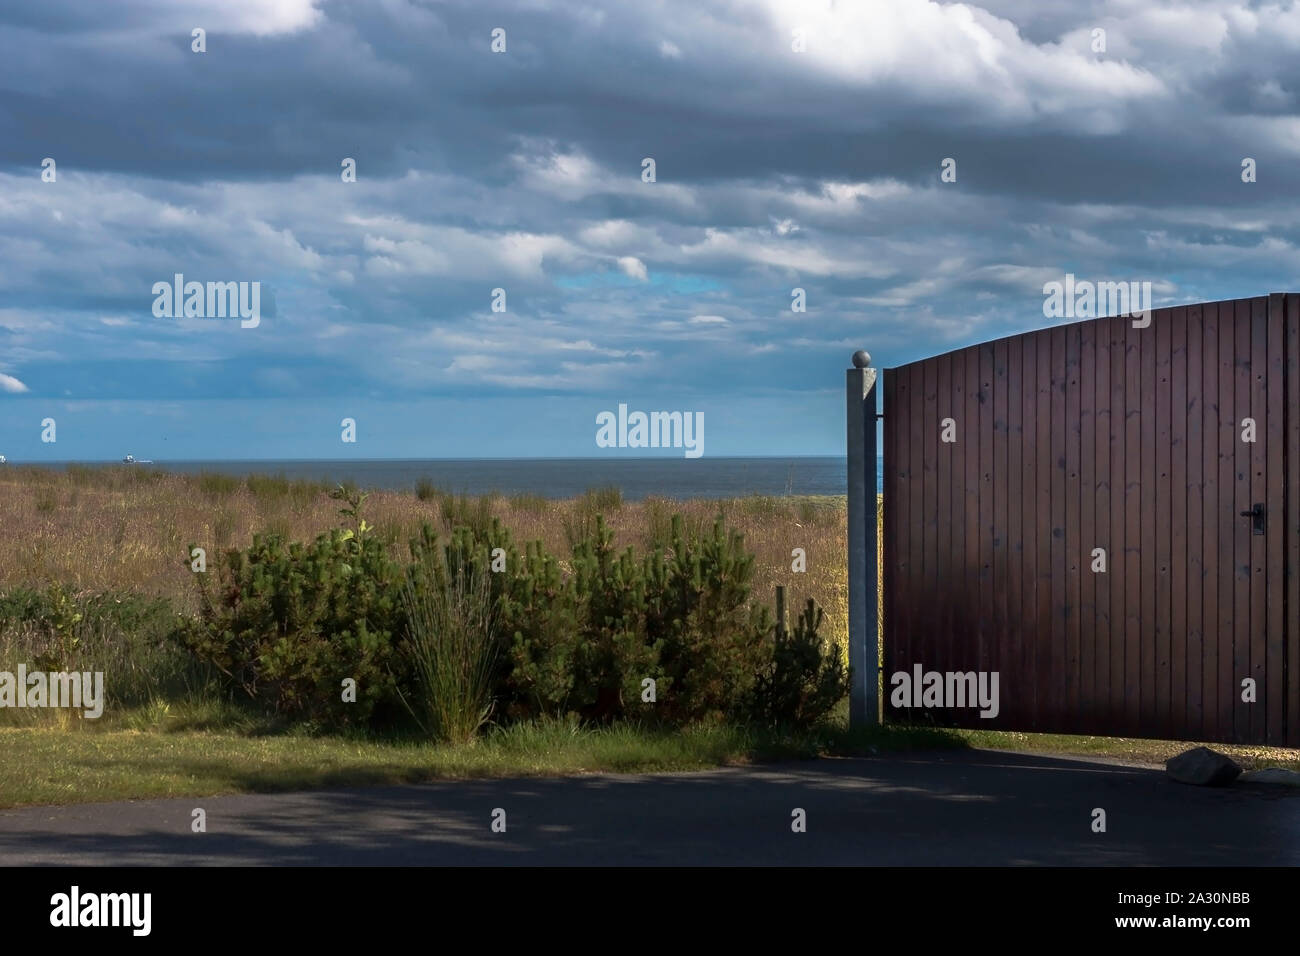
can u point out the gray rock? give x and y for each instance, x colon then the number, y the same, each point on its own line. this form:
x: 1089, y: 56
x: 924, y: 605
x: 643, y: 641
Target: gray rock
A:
x: 1202, y: 767
x: 1275, y: 775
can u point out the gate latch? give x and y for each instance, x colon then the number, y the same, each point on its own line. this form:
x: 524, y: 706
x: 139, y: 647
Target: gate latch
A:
x: 1256, y: 514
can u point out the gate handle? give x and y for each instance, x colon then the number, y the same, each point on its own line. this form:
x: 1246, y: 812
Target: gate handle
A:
x: 1256, y: 513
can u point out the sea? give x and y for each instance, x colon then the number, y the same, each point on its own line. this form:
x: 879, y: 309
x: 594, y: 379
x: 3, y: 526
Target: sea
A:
x: 636, y: 478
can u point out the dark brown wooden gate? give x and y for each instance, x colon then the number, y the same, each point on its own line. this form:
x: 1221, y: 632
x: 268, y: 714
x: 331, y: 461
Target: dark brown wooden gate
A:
x: 1100, y: 435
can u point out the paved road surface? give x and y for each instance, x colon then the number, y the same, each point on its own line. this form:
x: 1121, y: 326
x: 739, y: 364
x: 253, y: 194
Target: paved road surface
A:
x: 975, y: 808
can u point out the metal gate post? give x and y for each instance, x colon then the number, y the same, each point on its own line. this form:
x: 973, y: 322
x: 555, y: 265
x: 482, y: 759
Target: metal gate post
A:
x: 864, y: 632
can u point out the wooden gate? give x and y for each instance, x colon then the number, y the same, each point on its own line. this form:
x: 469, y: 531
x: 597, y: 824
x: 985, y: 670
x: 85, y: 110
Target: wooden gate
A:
x: 1086, y: 530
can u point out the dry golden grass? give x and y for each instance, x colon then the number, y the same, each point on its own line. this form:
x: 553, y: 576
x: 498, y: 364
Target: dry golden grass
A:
x: 128, y: 529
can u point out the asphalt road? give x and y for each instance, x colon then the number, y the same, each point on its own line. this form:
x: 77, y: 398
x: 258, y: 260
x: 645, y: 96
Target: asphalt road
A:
x: 977, y: 808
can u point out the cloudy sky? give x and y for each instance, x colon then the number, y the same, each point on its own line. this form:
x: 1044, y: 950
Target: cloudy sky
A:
x: 522, y: 170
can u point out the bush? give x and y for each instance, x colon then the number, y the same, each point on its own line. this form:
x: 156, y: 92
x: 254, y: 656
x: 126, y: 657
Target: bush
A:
x: 583, y: 643
x: 714, y: 638
x: 290, y: 622
x: 804, y: 678
x: 475, y: 626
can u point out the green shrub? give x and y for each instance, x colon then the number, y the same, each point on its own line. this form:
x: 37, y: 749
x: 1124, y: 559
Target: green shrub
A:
x: 583, y: 643
x: 289, y: 622
x: 714, y: 638
x: 804, y: 679
x: 476, y: 627
x: 540, y: 614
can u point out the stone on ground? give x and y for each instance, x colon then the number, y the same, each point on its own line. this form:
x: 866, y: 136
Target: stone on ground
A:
x: 1202, y: 767
x: 1276, y: 775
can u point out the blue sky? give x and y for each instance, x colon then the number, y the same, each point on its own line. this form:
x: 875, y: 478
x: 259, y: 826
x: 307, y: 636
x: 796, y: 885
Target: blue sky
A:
x: 521, y: 170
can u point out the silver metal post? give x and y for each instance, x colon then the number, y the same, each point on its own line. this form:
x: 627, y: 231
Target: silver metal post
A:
x: 864, y: 641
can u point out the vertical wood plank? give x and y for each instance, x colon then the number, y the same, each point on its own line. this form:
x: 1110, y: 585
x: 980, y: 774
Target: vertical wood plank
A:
x: 1118, y: 522
x: 1012, y: 681
x: 968, y: 659
x: 1101, y: 530
x: 1274, y: 562
x: 916, y: 636
x: 1070, y: 541
x: 1257, y: 713
x: 987, y: 636
x: 927, y: 636
x: 957, y: 504
x: 1195, y: 583
x: 1001, y: 486
x: 1044, y: 694
x: 1087, y: 619
x: 945, y: 596
x: 1227, y: 516
x: 1030, y: 634
x: 1241, y: 534
x: 1211, y: 506
x: 1146, y: 544
x: 1161, y: 512
x: 1058, y: 684
x: 896, y: 512
x: 1132, y: 563
x: 1177, y: 485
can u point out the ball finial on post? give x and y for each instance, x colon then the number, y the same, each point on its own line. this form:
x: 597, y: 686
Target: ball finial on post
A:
x: 861, y: 359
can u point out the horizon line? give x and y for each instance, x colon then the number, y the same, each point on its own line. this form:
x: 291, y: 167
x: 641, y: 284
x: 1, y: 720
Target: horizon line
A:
x: 156, y: 461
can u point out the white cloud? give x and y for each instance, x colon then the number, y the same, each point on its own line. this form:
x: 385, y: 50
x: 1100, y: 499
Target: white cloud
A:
x: 633, y: 267
x: 10, y: 384
x: 258, y: 17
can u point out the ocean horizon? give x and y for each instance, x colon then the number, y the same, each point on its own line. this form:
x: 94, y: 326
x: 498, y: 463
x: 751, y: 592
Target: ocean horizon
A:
x: 636, y: 478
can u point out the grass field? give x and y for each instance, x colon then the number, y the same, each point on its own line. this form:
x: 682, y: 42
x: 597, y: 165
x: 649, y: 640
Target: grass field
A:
x: 44, y: 765
x: 127, y: 528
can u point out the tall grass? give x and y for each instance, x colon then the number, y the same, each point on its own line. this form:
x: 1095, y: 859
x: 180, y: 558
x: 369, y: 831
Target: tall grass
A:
x: 126, y: 529
x: 452, y: 645
x: 217, y: 485
x: 580, y: 522
x: 129, y: 638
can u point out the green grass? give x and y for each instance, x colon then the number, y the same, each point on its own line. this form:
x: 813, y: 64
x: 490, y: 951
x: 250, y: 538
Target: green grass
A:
x: 162, y: 751
x: 45, y: 765
x: 1131, y: 749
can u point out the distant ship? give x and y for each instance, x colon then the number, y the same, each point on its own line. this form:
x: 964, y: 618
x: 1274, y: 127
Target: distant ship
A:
x: 131, y: 460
